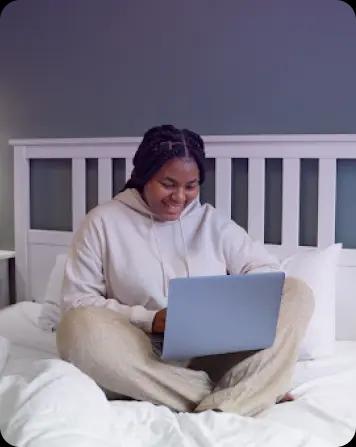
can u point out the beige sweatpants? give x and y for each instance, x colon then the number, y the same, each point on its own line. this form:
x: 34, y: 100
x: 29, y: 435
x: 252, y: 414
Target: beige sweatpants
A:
x: 119, y: 357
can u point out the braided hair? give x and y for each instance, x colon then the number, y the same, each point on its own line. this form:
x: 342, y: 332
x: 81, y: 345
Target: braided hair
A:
x: 160, y: 144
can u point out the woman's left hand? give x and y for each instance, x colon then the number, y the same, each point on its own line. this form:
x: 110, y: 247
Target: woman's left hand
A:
x: 159, y: 322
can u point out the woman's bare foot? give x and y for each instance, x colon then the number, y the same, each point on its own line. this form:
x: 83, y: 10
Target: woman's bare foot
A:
x: 286, y: 398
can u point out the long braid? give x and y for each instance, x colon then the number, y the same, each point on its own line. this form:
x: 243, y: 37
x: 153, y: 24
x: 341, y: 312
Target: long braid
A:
x: 160, y: 144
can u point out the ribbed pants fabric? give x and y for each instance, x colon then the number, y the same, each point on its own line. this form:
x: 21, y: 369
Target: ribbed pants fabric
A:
x: 120, y: 358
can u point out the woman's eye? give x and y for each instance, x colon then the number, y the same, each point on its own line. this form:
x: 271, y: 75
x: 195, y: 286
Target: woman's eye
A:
x: 170, y: 186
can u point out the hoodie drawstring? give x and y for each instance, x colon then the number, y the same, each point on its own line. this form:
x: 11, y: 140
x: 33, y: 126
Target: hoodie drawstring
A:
x: 160, y: 256
x: 186, y: 259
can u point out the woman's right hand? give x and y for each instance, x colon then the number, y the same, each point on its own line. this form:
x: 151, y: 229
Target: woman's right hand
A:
x: 159, y: 322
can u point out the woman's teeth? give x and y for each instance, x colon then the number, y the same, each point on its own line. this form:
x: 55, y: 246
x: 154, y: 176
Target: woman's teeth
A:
x: 173, y: 208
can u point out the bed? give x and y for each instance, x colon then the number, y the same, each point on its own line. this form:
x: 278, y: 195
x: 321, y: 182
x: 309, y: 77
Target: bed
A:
x: 45, y: 401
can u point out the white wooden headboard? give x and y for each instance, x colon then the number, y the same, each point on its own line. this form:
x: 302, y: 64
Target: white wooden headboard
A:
x: 36, y: 249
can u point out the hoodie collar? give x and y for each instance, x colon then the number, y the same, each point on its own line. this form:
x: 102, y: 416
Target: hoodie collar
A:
x: 132, y: 198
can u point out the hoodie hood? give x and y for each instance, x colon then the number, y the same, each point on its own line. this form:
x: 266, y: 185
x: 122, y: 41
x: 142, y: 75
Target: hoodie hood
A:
x: 132, y: 198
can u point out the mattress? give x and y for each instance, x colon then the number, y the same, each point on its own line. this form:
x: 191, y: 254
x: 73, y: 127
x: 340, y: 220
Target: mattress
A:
x: 324, y: 411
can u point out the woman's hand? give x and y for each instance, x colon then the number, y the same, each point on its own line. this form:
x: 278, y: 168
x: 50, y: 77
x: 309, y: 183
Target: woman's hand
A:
x: 159, y: 322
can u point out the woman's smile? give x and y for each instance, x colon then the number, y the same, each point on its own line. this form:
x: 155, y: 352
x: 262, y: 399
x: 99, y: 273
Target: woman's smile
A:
x: 173, y: 208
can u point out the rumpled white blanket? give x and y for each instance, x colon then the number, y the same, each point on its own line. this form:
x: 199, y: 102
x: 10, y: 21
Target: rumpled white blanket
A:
x: 53, y: 404
x: 4, y: 352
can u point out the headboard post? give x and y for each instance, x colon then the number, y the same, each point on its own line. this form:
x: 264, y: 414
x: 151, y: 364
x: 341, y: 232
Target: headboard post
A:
x: 22, y: 220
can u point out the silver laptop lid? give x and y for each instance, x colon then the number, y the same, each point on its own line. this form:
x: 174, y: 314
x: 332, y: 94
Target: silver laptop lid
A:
x: 221, y: 314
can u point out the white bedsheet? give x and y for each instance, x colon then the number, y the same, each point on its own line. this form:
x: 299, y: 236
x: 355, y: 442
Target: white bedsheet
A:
x: 51, y: 403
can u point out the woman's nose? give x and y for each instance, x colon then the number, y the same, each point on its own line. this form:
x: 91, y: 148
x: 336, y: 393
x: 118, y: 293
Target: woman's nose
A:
x: 178, y: 196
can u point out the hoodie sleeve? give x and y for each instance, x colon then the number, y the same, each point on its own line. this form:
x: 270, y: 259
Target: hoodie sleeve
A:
x: 84, y: 281
x: 244, y: 255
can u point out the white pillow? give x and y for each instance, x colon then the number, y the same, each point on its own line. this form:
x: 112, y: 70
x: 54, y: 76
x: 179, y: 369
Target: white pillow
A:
x: 51, y: 308
x: 318, y: 269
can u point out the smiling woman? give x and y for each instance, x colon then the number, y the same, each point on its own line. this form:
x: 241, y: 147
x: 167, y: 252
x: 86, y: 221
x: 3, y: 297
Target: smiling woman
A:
x: 115, y: 290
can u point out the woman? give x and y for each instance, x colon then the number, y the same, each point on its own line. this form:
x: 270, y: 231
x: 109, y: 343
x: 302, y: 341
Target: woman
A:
x: 116, y: 281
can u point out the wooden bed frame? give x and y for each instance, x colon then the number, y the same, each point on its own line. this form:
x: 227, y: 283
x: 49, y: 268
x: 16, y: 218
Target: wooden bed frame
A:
x: 36, y: 249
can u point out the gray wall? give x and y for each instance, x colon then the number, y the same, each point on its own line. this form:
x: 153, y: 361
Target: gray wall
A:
x: 81, y: 68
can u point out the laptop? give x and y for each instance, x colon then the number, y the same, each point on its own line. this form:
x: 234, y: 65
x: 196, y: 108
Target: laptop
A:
x: 221, y: 314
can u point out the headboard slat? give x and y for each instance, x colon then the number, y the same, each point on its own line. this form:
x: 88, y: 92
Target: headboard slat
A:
x: 223, y: 186
x: 128, y: 167
x: 256, y: 198
x: 326, y: 202
x: 290, y: 203
x: 78, y: 192
x: 105, y: 180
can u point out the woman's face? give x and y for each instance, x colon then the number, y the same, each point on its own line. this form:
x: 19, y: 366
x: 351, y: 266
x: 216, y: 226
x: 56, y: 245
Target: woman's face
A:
x: 172, y: 188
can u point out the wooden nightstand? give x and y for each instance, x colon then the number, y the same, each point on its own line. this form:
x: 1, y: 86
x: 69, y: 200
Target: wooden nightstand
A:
x: 7, y: 278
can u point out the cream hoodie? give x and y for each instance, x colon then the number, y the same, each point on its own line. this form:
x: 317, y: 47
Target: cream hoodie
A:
x: 122, y: 257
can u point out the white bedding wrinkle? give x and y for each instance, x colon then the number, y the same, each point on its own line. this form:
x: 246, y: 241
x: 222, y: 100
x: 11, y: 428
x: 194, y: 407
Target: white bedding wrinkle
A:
x: 50, y: 403
x: 54, y: 404
x: 324, y: 406
x: 19, y: 323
